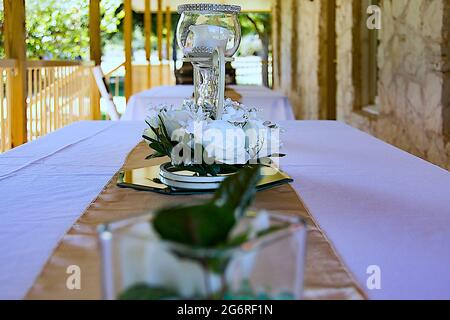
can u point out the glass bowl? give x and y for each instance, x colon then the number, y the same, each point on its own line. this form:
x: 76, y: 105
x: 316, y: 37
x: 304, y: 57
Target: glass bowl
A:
x: 204, y: 27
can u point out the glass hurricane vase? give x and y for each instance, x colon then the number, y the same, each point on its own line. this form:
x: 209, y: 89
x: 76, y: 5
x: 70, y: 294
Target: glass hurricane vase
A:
x: 202, y: 30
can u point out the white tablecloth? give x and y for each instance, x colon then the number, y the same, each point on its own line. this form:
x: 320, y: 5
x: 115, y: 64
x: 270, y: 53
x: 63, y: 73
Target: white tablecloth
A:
x: 274, y: 106
x: 46, y: 185
x: 377, y: 205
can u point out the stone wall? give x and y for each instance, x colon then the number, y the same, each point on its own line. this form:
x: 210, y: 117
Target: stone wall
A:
x: 413, y: 62
x: 413, y: 75
x: 299, y: 51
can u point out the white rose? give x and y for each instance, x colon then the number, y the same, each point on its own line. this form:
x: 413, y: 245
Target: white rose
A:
x: 234, y: 116
x: 153, y: 113
x: 175, y: 119
x: 189, y: 104
x: 261, y: 141
x: 253, y: 114
x: 224, y: 143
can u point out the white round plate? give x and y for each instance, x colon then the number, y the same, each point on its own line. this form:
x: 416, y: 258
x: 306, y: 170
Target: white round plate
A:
x: 189, y: 185
x: 188, y: 180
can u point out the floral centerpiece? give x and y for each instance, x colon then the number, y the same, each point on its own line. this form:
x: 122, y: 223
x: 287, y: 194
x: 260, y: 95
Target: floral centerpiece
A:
x: 209, y: 135
x: 194, y: 140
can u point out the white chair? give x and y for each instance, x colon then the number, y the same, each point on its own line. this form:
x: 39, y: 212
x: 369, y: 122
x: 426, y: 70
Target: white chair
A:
x: 102, y: 85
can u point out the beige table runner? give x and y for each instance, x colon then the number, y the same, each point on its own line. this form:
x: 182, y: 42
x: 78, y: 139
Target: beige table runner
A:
x: 326, y: 277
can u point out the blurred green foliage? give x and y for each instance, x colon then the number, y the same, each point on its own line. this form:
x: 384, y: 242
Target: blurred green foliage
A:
x: 59, y: 29
x: 256, y: 23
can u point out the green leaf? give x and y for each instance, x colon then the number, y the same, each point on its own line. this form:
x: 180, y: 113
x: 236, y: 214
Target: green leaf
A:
x: 164, y: 146
x: 164, y: 130
x: 150, y: 139
x: 155, y: 155
x: 158, y: 148
x: 145, y: 292
x: 217, y: 265
x: 229, y: 169
x: 204, y: 225
x: 238, y: 191
x: 213, y: 169
x: 155, y: 131
x: 208, y: 225
x: 277, y: 155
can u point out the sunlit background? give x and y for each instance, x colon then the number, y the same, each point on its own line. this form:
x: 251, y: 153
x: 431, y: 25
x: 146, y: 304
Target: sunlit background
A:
x: 59, y: 30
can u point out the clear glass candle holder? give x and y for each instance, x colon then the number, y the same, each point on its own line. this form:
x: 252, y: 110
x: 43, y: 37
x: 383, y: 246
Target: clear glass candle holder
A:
x: 202, y: 31
x: 136, y: 265
x: 203, y: 27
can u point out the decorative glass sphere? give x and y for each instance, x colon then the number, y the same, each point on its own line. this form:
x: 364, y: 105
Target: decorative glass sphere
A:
x: 204, y: 27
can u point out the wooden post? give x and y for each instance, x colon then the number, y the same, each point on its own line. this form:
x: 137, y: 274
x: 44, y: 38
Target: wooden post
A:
x: 160, y: 29
x: 277, y: 45
x: 169, y: 31
x: 94, y: 32
x: 331, y: 108
x: 128, y: 35
x: 14, y: 38
x: 148, y: 37
x: 95, y: 50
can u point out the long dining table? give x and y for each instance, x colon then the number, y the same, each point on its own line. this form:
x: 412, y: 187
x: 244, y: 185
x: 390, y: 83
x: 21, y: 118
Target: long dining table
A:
x: 368, y: 204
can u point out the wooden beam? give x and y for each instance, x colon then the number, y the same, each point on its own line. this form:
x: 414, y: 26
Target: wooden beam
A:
x: 95, y: 50
x: 331, y: 111
x: 148, y: 39
x: 160, y: 29
x: 276, y: 57
x: 128, y: 36
x: 94, y: 32
x: 148, y: 29
x: 15, y: 48
x: 169, y: 31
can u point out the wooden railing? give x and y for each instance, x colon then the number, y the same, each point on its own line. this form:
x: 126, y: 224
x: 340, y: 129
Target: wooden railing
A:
x: 113, y: 78
x: 7, y: 68
x: 59, y: 93
x: 144, y: 77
